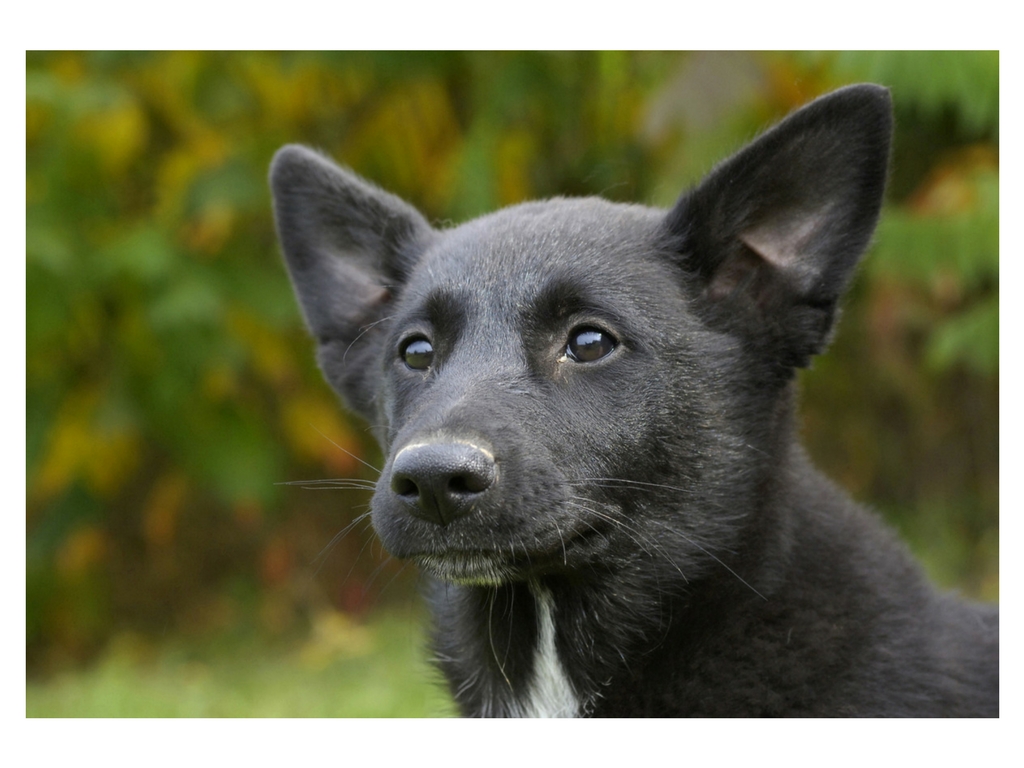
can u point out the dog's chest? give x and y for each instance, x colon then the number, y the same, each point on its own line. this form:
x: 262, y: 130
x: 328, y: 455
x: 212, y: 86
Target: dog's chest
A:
x: 550, y: 693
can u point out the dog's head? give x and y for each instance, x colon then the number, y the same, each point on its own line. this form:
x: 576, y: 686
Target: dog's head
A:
x: 574, y: 384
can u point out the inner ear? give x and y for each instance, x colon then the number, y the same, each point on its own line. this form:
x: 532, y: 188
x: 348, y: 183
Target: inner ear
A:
x: 743, y: 272
x: 785, y: 242
x: 771, y: 252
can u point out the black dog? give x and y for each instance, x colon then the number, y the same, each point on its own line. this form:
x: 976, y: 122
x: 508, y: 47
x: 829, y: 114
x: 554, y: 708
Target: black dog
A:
x: 588, y: 414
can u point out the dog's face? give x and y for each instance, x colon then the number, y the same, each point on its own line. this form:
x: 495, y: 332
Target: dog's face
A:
x: 525, y: 367
x: 552, y: 380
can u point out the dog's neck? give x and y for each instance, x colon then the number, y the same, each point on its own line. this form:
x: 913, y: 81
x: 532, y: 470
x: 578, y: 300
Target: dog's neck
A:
x: 550, y: 693
x: 542, y: 649
x: 502, y: 649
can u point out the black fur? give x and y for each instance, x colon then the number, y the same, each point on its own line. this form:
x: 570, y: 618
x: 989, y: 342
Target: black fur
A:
x: 654, y: 500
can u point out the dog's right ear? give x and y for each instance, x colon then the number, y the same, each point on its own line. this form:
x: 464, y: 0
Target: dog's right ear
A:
x: 349, y: 246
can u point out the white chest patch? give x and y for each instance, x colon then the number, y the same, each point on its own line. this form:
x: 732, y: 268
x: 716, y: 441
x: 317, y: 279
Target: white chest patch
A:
x: 550, y: 693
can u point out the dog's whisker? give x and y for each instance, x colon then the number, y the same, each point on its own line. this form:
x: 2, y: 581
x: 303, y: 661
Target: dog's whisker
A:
x: 331, y: 485
x: 565, y: 557
x: 321, y: 558
x: 374, y: 574
x: 643, y: 541
x: 511, y: 617
x: 362, y: 332
x: 361, y: 461
x: 356, y: 559
x: 709, y: 553
x: 399, y: 572
x: 490, y: 635
x: 613, y: 482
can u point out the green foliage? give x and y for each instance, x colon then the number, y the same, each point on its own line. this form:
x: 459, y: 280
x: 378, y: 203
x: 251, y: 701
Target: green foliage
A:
x: 960, y: 84
x: 171, y: 387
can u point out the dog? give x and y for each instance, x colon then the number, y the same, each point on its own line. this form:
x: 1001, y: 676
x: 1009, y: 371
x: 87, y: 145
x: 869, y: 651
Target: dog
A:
x: 587, y: 410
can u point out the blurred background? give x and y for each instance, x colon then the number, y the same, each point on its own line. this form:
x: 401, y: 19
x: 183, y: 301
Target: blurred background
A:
x: 174, y: 566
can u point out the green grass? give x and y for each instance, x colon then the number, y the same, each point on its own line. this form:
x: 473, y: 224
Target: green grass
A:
x: 341, y: 669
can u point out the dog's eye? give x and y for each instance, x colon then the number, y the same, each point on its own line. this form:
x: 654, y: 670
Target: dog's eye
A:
x: 588, y: 344
x: 418, y: 353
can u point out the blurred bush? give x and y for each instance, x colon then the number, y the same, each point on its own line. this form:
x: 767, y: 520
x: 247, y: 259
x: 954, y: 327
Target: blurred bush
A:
x: 171, y: 388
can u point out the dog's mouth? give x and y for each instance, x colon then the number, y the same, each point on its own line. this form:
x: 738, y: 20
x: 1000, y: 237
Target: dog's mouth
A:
x: 491, y: 568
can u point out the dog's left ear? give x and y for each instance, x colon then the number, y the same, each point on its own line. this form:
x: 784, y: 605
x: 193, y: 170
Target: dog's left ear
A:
x: 774, y: 232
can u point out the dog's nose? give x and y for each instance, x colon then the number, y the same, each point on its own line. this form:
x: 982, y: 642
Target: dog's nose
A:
x: 440, y: 481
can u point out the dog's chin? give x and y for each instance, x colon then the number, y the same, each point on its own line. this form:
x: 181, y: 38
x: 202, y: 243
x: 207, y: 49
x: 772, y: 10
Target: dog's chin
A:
x: 475, y: 569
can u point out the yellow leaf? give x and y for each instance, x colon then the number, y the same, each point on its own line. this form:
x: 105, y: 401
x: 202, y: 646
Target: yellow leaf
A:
x: 204, y: 150
x: 79, y: 448
x: 515, y: 154
x: 69, y: 443
x: 118, y: 135
x: 111, y: 459
x: 219, y: 383
x: 268, y: 352
x: 84, y: 549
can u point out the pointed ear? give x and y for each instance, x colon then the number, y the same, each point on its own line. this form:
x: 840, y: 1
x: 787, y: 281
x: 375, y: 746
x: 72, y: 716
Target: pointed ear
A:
x: 774, y: 232
x: 348, y: 246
